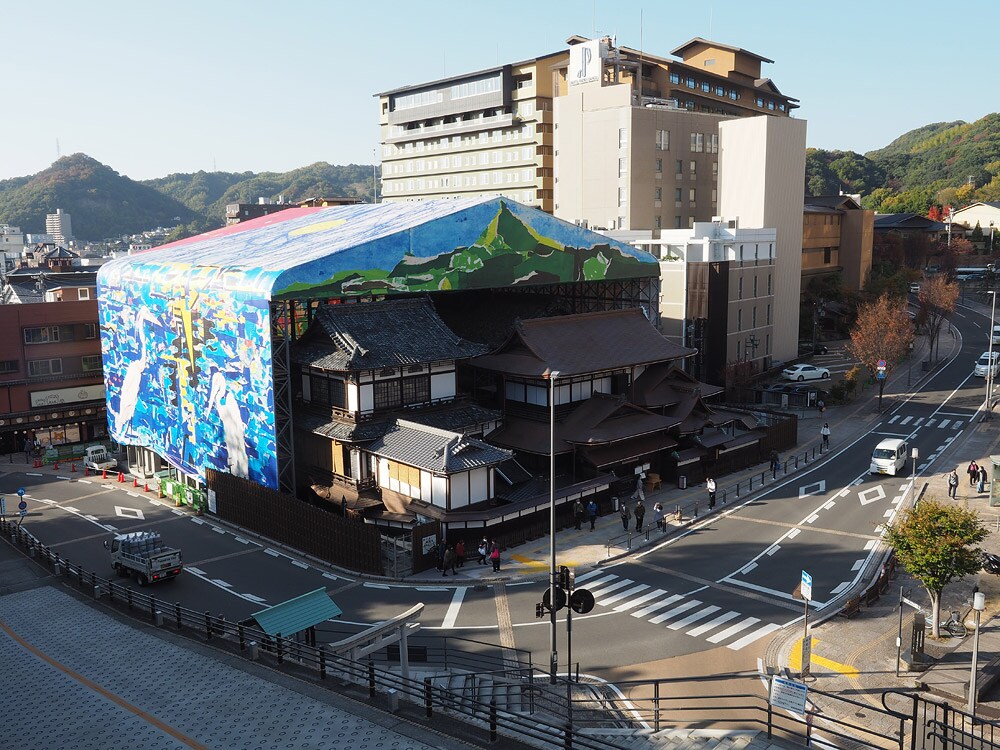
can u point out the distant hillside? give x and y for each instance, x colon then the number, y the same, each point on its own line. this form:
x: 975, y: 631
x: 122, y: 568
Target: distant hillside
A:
x: 102, y: 202
x: 208, y: 193
x: 945, y: 163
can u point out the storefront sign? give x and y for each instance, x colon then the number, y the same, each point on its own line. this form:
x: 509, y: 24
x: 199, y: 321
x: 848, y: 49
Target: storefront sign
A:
x: 67, y: 395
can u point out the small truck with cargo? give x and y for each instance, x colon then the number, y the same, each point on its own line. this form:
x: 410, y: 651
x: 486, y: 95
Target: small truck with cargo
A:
x: 97, y: 458
x: 144, y: 555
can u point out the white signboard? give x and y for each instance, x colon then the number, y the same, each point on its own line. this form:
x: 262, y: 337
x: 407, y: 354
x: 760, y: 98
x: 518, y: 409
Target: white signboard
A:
x: 807, y: 586
x: 788, y: 694
x: 585, y: 62
x: 428, y: 543
x: 67, y: 395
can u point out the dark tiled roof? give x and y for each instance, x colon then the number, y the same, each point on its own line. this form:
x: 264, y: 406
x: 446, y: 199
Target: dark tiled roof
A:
x: 908, y: 221
x: 665, y: 384
x: 374, y: 335
x: 344, y: 432
x: 627, y: 450
x: 60, y: 252
x: 463, y: 418
x: 831, y: 201
x: 606, y: 419
x: 438, y: 451
x: 581, y: 344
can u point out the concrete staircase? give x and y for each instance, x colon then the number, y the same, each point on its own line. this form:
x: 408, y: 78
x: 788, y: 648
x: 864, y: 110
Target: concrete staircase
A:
x: 687, y: 739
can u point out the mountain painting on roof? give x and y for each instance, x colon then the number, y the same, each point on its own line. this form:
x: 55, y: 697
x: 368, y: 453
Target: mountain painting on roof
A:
x: 509, y: 251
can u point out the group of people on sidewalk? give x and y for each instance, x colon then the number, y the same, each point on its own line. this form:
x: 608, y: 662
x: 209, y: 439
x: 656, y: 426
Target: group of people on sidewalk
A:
x: 978, y: 477
x: 452, y: 556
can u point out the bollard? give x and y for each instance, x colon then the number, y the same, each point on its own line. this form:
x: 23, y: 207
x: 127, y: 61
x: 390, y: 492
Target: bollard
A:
x: 241, y: 637
x: 814, y: 453
x: 677, y: 514
x: 786, y: 467
x: 152, y: 608
x: 177, y: 614
x: 428, y: 704
x: 279, y: 648
x: 72, y: 469
x: 796, y: 462
x: 322, y: 664
x: 208, y: 626
x: 737, y: 489
x: 695, y: 510
x: 56, y: 465
x: 86, y: 470
x: 568, y: 737
x: 158, y: 619
x: 751, y: 484
x: 724, y: 496
x: 128, y: 596
x: 254, y: 650
x: 371, y: 678
x: 393, y: 697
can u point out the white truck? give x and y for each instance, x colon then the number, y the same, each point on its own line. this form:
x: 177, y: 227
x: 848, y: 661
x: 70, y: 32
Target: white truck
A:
x: 97, y: 458
x: 144, y: 555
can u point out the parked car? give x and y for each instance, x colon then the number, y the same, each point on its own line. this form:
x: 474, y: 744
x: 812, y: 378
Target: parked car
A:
x: 808, y: 348
x: 983, y: 365
x: 803, y: 371
x: 914, y: 288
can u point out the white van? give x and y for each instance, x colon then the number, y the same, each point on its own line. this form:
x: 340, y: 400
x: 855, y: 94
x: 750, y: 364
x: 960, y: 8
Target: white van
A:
x: 983, y: 368
x: 889, y: 456
x: 996, y: 335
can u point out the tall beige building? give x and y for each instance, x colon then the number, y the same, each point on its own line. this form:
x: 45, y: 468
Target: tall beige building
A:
x: 597, y: 133
x: 762, y: 166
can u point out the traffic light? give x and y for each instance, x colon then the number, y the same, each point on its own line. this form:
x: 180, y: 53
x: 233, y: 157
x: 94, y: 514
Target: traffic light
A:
x: 566, y: 578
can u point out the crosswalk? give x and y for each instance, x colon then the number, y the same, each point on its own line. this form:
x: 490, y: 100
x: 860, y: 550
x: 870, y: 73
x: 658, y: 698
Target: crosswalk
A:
x: 941, y: 423
x: 675, y: 611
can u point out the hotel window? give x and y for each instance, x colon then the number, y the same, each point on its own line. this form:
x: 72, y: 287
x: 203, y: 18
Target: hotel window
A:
x: 622, y: 166
x: 90, y: 362
x: 678, y: 222
x: 659, y: 166
x: 770, y: 104
x: 692, y: 193
x: 41, y: 367
x: 733, y: 94
x: 680, y: 166
x: 713, y: 144
x: 622, y: 196
x: 658, y: 194
x: 657, y: 222
x: 622, y: 137
x: 678, y: 194
x: 759, y: 101
x: 739, y: 288
x: 720, y: 91
x: 697, y: 142
x: 662, y: 140
x: 689, y: 82
x: 739, y: 320
x: 693, y: 167
x: 706, y: 87
x: 675, y: 78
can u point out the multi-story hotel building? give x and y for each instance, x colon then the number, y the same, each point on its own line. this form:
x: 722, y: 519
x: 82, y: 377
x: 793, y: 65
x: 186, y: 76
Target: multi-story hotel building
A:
x: 598, y: 133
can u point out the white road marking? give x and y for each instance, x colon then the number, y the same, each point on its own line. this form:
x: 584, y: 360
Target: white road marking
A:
x: 755, y: 635
x: 177, y: 512
x: 611, y: 587
x: 133, y: 513
x: 889, y: 513
x: 257, y: 599
x: 196, y: 571
x: 857, y: 565
x: 905, y: 420
x: 747, y: 568
x: 270, y: 552
x: 241, y: 540
x: 223, y: 584
x: 870, y: 543
x: 331, y: 576
x: 62, y: 477
x: 217, y: 529
x: 944, y: 423
x: 47, y: 502
x: 599, y: 582
x: 827, y: 506
x: 587, y: 576
x: 840, y: 587
x: 376, y: 586
x: 930, y: 423
x: 431, y: 588
x: 91, y: 518
x: 32, y: 474
x: 812, y: 519
x: 298, y: 564
x: 625, y: 606
x: 871, y: 495
x: 622, y: 594
x: 774, y: 548
x: 693, y: 618
x: 453, y: 609
x: 197, y: 520
x: 712, y: 624
x: 732, y: 630
x: 794, y: 533
x: 84, y: 481
x: 675, y: 611
x: 816, y: 488
x: 659, y: 605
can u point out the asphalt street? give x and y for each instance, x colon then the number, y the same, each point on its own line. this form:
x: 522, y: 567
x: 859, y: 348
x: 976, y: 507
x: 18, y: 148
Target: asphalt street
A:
x: 722, y: 589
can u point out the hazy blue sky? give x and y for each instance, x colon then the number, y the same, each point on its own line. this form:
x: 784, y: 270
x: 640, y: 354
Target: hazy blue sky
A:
x: 153, y: 88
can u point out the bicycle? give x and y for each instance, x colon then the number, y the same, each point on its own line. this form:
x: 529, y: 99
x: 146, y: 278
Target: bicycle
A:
x: 955, y: 626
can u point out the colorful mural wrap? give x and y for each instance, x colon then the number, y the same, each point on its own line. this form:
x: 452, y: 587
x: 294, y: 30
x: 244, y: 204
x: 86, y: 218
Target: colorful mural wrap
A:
x: 187, y: 367
x: 185, y: 327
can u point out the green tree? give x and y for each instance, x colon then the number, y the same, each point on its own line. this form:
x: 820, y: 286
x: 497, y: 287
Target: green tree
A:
x: 934, y: 542
x: 883, y: 331
x: 937, y: 300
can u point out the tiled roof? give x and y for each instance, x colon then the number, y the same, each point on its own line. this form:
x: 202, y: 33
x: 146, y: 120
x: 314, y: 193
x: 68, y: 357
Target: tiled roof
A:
x: 434, y: 450
x: 344, y: 432
x: 374, y: 335
x: 582, y: 344
x: 463, y: 418
x: 664, y: 384
x: 908, y: 221
x: 831, y: 201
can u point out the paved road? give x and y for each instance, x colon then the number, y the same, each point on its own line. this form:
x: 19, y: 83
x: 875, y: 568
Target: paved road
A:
x: 723, y: 588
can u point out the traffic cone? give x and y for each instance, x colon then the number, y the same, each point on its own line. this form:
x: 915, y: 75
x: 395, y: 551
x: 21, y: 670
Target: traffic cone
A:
x: 86, y: 471
x: 104, y: 475
x: 135, y: 481
x: 145, y: 487
x: 56, y: 466
x: 121, y: 476
x: 72, y: 468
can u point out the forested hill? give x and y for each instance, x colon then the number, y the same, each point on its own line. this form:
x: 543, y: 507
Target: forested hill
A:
x: 946, y: 163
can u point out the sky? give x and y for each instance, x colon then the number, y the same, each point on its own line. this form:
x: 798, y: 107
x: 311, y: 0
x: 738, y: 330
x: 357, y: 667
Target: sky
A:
x: 153, y: 88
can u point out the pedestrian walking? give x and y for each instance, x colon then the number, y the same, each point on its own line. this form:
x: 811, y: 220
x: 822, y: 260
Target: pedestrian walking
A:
x: 625, y: 514
x: 973, y: 472
x: 460, y: 553
x: 29, y: 448
x: 982, y: 478
x: 592, y: 512
x: 710, y: 486
x: 658, y: 515
x: 640, y: 515
x: 821, y: 405
x: 775, y: 462
x: 495, y: 557
x: 824, y: 432
x: 952, y: 483
x: 578, y: 513
x: 640, y: 491
x: 439, y: 554
x: 484, y: 551
x: 448, y: 562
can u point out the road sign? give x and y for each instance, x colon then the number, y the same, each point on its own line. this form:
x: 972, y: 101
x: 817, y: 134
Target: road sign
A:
x: 807, y: 586
x: 581, y: 602
x: 560, y: 599
x: 880, y: 375
x: 20, y: 492
x: 788, y: 694
x: 807, y: 647
x: 22, y: 505
x: 881, y: 364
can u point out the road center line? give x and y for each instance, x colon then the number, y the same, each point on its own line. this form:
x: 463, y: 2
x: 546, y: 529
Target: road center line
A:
x: 456, y: 604
x: 738, y: 517
x: 208, y: 560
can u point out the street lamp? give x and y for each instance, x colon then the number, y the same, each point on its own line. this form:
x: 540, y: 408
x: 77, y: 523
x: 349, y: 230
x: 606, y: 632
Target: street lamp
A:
x: 948, y: 224
x: 991, y: 238
x: 978, y: 604
x: 551, y: 376
x: 989, y: 368
x: 914, y: 454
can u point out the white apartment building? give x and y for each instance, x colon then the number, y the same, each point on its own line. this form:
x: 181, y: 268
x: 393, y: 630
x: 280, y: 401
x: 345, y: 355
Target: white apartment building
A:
x: 11, y: 247
x: 60, y: 226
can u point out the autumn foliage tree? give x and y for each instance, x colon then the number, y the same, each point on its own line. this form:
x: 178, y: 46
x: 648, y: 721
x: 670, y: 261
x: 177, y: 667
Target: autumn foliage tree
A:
x: 937, y: 300
x: 883, y: 331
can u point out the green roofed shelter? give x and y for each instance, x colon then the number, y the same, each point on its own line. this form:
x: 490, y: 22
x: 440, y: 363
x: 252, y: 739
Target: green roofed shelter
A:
x: 298, y: 614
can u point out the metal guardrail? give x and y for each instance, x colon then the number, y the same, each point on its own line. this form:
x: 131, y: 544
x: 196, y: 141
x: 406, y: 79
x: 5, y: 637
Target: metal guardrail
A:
x: 382, y: 684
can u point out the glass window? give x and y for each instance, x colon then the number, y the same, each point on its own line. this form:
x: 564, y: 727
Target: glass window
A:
x: 678, y: 194
x: 657, y: 222
x: 739, y: 288
x: 659, y: 166
x: 720, y: 91
x: 693, y: 166
x: 689, y: 82
x: 733, y: 94
x: 680, y: 166
x: 706, y: 86
x: 662, y: 140
x: 417, y: 390
x: 386, y: 394
x: 622, y: 196
x: 675, y: 78
x: 41, y: 335
x: 41, y: 367
x: 622, y: 166
x: 658, y: 194
x: 769, y: 284
x: 753, y: 317
x: 755, y: 285
x: 622, y: 137
x: 759, y: 101
x: 678, y: 222
x: 90, y: 362
x: 739, y: 320
x: 768, y: 315
x: 697, y: 142
x: 692, y: 194
x: 713, y: 143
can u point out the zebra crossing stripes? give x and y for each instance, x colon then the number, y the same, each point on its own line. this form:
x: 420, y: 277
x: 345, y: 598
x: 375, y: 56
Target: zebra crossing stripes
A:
x: 676, y: 612
x: 913, y: 422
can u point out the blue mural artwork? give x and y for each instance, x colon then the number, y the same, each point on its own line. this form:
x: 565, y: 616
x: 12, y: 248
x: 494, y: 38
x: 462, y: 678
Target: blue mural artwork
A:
x: 185, y: 329
x: 187, y: 366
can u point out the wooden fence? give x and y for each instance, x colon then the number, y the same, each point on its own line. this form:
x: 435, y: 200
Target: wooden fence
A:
x: 337, y: 540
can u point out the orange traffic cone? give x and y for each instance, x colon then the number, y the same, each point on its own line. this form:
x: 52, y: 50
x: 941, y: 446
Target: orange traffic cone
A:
x: 121, y: 476
x: 104, y: 474
x: 145, y: 487
x: 135, y: 481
